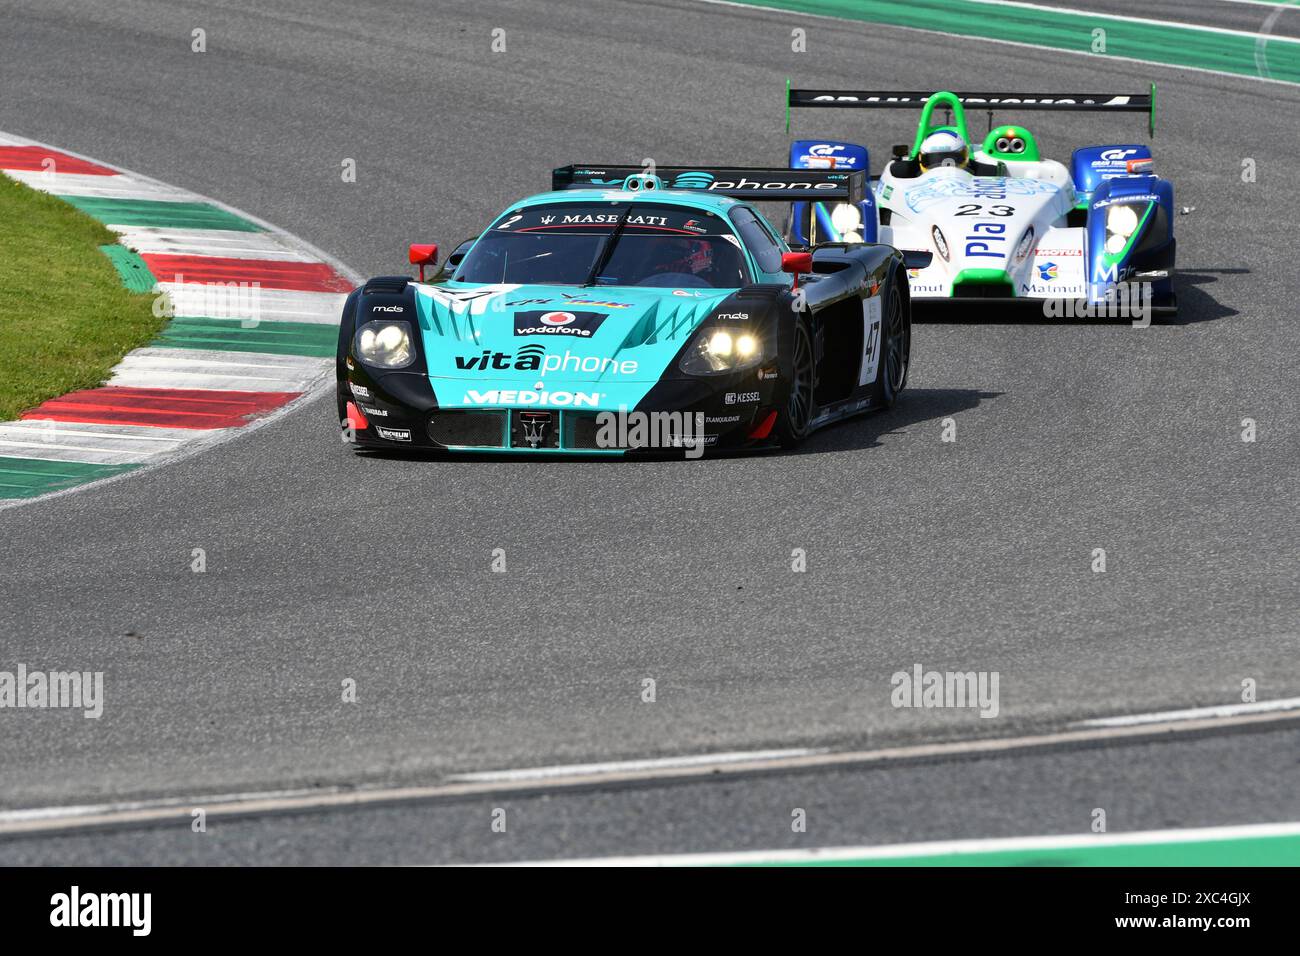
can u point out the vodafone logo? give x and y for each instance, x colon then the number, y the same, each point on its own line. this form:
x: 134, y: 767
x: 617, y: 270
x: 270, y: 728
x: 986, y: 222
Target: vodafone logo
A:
x: 581, y: 325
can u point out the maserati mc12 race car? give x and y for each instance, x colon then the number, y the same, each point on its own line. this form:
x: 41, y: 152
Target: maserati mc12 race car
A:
x: 619, y: 296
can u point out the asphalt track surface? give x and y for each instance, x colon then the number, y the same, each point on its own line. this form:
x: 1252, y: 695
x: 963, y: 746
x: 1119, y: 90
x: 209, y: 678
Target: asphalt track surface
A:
x: 971, y: 555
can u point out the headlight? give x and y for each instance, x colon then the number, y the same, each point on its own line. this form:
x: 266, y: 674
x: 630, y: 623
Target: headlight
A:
x: 385, y: 344
x: 1026, y: 246
x: 714, y: 351
x: 1121, y: 220
x: 846, y: 218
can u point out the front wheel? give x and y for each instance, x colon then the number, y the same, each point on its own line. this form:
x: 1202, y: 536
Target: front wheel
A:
x: 793, y: 421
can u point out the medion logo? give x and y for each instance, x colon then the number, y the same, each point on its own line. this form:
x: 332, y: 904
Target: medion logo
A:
x: 533, y: 396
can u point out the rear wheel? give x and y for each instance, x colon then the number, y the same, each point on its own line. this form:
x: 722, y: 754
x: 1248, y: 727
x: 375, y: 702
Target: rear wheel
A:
x: 792, y: 421
x: 895, y: 346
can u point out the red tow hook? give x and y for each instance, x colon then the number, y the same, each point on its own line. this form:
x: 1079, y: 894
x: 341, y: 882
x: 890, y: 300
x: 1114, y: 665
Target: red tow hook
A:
x: 763, y: 428
x: 356, y: 421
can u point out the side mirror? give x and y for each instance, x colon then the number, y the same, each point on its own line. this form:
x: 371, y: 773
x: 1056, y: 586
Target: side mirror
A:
x: 459, y: 253
x: 797, y: 264
x: 900, y: 151
x: 423, y: 254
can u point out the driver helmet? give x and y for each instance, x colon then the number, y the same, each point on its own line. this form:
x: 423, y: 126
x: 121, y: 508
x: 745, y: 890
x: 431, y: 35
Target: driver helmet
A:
x: 944, y: 148
x: 692, y: 256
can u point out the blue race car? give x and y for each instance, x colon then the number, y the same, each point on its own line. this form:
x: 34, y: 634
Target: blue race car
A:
x: 629, y: 311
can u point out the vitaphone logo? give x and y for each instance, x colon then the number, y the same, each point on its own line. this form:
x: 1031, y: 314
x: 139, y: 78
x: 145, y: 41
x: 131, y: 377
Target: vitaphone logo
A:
x: 698, y: 179
x: 533, y: 358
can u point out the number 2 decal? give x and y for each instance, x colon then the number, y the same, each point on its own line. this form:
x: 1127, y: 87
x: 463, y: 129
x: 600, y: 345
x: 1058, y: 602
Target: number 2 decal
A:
x: 975, y: 209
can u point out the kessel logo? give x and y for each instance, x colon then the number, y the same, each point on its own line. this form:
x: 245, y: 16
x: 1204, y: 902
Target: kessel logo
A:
x: 581, y: 325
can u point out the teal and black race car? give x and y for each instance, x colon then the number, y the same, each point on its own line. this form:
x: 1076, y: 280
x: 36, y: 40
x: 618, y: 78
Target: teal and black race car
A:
x: 628, y: 310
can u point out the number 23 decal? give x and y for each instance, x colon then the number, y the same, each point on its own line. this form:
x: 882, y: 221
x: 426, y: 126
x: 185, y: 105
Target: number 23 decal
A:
x: 974, y: 209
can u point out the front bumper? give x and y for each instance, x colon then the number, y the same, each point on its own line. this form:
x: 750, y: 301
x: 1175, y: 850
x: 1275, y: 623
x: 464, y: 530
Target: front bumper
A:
x: 400, y: 411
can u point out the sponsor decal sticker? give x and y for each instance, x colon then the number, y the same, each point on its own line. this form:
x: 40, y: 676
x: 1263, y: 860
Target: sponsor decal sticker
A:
x: 393, y: 434
x: 534, y: 396
x: 582, y: 325
x: 871, y: 312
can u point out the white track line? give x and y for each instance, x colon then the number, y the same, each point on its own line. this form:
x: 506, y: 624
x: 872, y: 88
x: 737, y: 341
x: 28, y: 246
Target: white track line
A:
x: 1193, y: 713
x: 229, y: 243
x: 223, y: 371
x: 630, y: 766
x: 97, y: 186
x: 289, y: 305
x: 656, y: 771
x: 1145, y: 21
x: 49, y: 814
x: 942, y: 847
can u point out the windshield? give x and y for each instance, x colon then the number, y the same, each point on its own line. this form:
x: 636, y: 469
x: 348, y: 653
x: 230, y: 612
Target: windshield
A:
x: 608, y: 244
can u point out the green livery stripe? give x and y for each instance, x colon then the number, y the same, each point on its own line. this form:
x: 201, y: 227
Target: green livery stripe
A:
x: 231, y: 335
x: 29, y: 477
x: 1276, y: 58
x: 1256, y: 851
x: 152, y: 212
x: 135, y: 274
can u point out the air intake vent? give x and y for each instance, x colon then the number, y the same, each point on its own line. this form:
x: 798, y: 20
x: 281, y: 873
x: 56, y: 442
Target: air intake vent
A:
x: 471, y: 429
x: 387, y: 284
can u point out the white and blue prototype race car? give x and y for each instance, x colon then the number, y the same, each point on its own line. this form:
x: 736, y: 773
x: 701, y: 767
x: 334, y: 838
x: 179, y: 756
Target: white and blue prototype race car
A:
x: 999, y: 221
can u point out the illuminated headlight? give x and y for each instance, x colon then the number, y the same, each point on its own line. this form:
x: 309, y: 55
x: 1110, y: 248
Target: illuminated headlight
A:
x: 1026, y: 245
x: 385, y: 344
x: 720, y: 350
x: 1121, y: 221
x: 846, y: 218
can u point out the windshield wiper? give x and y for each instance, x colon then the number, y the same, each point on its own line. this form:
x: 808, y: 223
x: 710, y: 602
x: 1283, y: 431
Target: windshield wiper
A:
x: 607, y: 250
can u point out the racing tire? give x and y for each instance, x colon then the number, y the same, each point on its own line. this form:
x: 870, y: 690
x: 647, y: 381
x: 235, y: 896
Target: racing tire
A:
x: 895, y: 346
x: 793, y: 421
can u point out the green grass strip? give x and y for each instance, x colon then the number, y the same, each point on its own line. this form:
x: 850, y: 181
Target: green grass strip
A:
x: 65, y: 317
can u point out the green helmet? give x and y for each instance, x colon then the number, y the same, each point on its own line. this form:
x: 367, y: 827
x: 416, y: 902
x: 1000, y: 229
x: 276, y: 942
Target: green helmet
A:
x: 1011, y: 144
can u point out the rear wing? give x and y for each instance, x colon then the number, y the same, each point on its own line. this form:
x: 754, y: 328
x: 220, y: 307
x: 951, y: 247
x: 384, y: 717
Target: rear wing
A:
x: 915, y: 99
x: 738, y: 182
